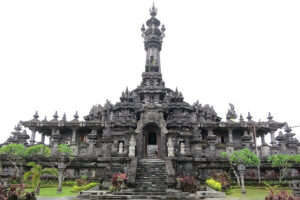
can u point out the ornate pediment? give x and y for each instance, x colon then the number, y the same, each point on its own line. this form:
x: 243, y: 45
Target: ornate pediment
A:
x: 152, y: 117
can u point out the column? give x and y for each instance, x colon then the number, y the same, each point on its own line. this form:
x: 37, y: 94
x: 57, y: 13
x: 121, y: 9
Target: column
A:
x: 74, y: 134
x: 230, y: 146
x: 32, y: 139
x: 272, y: 134
x: 230, y: 139
x: 43, y: 138
x: 263, y: 142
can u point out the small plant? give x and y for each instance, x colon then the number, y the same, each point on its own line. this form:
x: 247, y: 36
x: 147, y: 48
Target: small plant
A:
x: 224, y: 179
x: 83, y: 188
x: 119, y: 180
x: 187, y: 183
x: 216, y: 185
x: 35, y: 174
x: 15, y: 192
x: 280, y: 195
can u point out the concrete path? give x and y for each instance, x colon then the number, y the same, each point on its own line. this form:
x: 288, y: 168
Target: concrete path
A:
x: 57, y: 198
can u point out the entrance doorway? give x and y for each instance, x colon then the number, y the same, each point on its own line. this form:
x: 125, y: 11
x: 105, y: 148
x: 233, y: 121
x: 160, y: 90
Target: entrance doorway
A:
x: 151, y: 141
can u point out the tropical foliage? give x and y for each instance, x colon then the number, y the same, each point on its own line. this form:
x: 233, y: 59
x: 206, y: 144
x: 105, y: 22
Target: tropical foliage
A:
x: 35, y: 174
x: 280, y: 195
x: 244, y: 156
x: 15, y: 154
x: 212, y: 183
x: 85, y: 187
x: 38, y: 150
x: 15, y: 192
x: 283, y: 162
x: 118, y: 180
x: 187, y: 183
x: 223, y: 178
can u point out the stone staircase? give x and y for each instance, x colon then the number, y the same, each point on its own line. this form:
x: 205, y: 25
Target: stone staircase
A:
x: 151, y: 178
x: 150, y: 183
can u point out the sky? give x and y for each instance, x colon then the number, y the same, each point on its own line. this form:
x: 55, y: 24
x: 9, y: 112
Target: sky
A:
x: 67, y: 55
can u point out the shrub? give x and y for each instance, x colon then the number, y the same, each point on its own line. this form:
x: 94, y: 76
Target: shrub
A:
x: 187, y: 183
x: 223, y: 178
x: 15, y: 192
x: 216, y: 185
x: 118, y: 180
x: 280, y: 195
x: 69, y: 183
x: 83, y: 188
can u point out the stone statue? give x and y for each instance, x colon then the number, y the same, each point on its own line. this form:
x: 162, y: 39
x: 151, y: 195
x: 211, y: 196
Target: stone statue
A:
x: 170, y: 147
x: 182, y: 148
x: 121, y: 148
x: 132, y: 144
x: 231, y: 114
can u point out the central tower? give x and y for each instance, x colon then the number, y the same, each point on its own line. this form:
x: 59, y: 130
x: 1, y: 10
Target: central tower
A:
x: 153, y: 37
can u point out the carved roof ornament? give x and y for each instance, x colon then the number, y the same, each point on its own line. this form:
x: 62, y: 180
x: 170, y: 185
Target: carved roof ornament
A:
x: 231, y: 114
x: 270, y: 117
x: 249, y: 117
x: 45, y: 119
x: 55, y: 117
x: 64, y: 118
x: 76, y: 116
x: 241, y: 118
x: 36, y: 116
x: 153, y: 11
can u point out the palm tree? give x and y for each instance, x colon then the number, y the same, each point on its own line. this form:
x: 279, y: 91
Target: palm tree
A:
x: 35, y: 174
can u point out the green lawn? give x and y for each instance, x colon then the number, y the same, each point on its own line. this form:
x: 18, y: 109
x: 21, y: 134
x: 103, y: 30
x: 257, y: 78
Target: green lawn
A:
x: 252, y: 193
x: 52, y: 191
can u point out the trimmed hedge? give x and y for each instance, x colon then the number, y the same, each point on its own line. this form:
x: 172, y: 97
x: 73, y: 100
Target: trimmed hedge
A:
x: 83, y: 188
x: 69, y: 183
x: 214, y: 184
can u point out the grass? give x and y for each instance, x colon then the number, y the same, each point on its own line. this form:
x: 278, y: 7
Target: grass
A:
x: 252, y: 193
x: 52, y: 191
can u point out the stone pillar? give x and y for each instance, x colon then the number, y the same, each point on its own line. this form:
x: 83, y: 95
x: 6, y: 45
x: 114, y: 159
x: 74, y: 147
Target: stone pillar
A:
x: 61, y: 169
x: 263, y: 142
x: 230, y: 144
x: 32, y: 139
x: 43, y: 138
x: 265, y: 148
x: 55, y: 139
x: 74, y: 134
x: 272, y: 134
x: 241, y: 169
x: 92, y: 141
x: 211, y: 139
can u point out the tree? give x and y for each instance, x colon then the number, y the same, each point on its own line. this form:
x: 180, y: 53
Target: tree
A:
x: 64, y: 152
x: 15, y: 154
x: 244, y: 156
x: 38, y: 150
x: 35, y: 174
x: 283, y: 162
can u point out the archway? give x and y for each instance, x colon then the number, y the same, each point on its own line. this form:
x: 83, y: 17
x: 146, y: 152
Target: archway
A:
x: 152, y: 140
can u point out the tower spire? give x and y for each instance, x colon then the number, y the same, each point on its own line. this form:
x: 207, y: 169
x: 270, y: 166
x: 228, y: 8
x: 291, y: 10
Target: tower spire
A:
x: 153, y: 37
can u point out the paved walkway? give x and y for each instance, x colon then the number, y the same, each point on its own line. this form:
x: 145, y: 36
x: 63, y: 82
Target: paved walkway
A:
x: 57, y: 198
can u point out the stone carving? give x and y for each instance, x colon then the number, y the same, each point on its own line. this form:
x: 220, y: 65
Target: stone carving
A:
x: 182, y: 148
x: 121, y: 148
x: 170, y: 147
x: 132, y: 145
x: 152, y: 117
x: 231, y: 114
